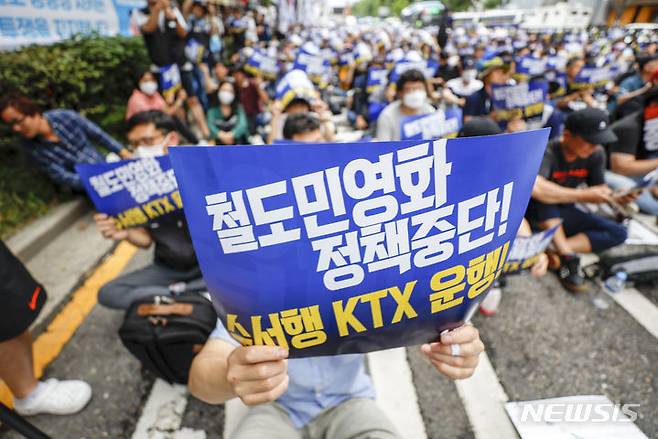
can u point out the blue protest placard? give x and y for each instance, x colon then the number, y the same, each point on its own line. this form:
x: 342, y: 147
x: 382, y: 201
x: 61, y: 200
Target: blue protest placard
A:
x: 262, y: 65
x: 593, y: 77
x: 343, y: 248
x: 530, y: 66
x: 526, y: 250
x: 524, y: 100
x: 440, y: 124
x: 133, y: 192
x: 170, y: 81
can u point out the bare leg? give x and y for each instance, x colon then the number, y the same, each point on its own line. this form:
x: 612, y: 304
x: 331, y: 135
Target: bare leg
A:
x: 560, y: 240
x: 16, y: 368
x: 580, y: 243
x: 199, y: 117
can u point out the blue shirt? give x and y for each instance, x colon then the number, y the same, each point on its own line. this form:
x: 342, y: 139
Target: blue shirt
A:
x: 317, y: 383
x: 75, y: 133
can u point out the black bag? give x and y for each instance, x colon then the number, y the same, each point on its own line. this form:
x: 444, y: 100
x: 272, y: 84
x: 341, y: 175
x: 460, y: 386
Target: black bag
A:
x: 166, y: 332
x: 639, y: 267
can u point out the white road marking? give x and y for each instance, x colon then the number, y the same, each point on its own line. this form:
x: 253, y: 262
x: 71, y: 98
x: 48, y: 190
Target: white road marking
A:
x: 396, y: 394
x: 234, y: 411
x: 163, y: 413
x: 484, y: 400
x: 639, y: 307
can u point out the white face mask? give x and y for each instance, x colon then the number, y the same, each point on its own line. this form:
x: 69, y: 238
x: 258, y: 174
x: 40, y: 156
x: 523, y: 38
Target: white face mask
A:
x: 145, y: 151
x: 414, y: 99
x: 469, y: 75
x: 148, y: 87
x: 226, y: 97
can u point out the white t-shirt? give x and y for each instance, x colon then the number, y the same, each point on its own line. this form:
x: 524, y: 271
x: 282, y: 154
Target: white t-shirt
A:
x: 389, y: 121
x: 464, y: 90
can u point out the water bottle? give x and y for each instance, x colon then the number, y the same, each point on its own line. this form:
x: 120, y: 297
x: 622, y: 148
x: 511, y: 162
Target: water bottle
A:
x: 616, y: 283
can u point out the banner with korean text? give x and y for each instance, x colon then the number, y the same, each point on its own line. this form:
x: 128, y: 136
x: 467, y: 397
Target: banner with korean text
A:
x: 344, y: 248
x: 133, y: 192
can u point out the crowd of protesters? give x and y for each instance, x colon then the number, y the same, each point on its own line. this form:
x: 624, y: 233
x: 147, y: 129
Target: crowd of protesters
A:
x: 226, y: 76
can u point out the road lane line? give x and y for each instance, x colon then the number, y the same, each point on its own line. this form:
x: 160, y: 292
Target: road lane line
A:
x: 50, y: 343
x: 484, y: 400
x: 396, y: 393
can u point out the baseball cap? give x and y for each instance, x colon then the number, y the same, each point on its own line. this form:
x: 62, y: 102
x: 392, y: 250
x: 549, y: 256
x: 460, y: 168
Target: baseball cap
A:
x: 592, y: 125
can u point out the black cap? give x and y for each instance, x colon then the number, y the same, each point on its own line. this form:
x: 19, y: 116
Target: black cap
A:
x: 479, y: 126
x: 592, y: 125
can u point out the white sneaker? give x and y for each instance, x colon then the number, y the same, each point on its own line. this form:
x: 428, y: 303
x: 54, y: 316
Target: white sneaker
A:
x: 56, y: 398
x: 489, y: 305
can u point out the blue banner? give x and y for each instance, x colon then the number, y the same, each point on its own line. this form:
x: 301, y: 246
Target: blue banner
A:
x: 343, y: 248
x: 316, y: 67
x: 133, y: 192
x: 524, y: 100
x: 526, y: 250
x: 440, y: 124
x: 24, y: 22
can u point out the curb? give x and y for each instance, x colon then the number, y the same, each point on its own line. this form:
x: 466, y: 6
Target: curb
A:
x: 30, y: 239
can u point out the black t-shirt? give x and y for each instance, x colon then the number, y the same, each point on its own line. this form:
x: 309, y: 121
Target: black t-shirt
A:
x: 163, y: 45
x: 173, y: 244
x: 478, y: 104
x: 630, y: 132
x: 556, y: 168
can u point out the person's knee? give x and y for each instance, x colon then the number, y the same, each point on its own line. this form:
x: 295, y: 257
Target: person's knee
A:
x: 618, y: 235
x: 193, y: 101
x: 109, y: 295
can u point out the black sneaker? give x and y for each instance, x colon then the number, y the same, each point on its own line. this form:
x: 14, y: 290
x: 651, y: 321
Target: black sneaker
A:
x: 571, y: 275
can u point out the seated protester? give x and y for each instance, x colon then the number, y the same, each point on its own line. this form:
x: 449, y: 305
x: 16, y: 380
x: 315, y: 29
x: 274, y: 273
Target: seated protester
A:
x: 631, y: 89
x: 570, y: 162
x: 467, y: 83
x: 253, y: 96
x: 150, y: 133
x: 22, y: 301
x: 146, y: 97
x: 448, y: 69
x: 303, y: 127
x: 494, y: 71
x: 635, y: 154
x: 227, y: 121
x: 302, y: 102
x: 359, y: 113
x: 411, y: 88
x: 576, y: 97
x: 320, y: 397
x: 57, y: 140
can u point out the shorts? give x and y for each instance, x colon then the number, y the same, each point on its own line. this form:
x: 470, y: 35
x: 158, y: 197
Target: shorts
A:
x: 21, y: 296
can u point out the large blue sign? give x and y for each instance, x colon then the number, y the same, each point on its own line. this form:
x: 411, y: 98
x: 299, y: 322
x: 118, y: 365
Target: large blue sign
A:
x: 133, y: 192
x: 25, y: 22
x: 343, y: 248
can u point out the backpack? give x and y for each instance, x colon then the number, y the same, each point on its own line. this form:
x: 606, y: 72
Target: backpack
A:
x: 639, y: 267
x: 166, y: 332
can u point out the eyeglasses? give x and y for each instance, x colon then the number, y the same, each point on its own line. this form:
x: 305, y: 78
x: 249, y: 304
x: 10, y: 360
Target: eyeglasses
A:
x: 152, y: 140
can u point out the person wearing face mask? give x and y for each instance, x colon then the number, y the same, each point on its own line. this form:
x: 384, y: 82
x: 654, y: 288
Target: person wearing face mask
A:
x: 467, y: 83
x: 412, y: 100
x: 227, y: 121
x: 146, y: 97
x: 494, y: 72
x: 150, y: 133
